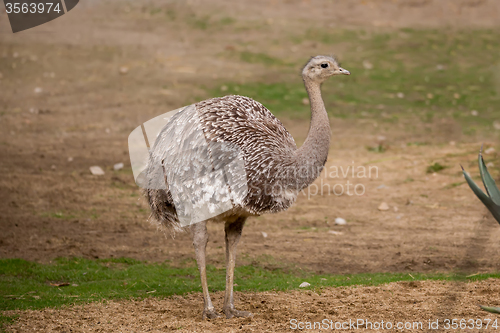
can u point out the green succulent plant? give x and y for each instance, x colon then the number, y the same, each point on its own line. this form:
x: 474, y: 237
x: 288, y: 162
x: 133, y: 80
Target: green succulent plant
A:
x: 490, y: 309
x: 492, y: 199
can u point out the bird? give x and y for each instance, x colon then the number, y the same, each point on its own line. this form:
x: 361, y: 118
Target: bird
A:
x: 234, y: 140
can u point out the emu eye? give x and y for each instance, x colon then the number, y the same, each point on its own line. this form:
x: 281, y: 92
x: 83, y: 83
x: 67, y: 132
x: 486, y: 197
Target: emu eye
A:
x: 324, y: 65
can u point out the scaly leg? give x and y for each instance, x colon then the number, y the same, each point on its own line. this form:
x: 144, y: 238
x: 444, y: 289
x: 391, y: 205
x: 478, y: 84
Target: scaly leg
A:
x: 233, y: 235
x: 200, y: 240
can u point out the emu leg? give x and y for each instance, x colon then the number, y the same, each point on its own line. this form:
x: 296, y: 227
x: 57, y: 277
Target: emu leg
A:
x: 233, y: 235
x: 200, y: 240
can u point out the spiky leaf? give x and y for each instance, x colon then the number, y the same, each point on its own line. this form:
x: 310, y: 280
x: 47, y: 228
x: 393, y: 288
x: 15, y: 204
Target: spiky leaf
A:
x: 490, y: 309
x: 494, y: 209
x: 489, y: 182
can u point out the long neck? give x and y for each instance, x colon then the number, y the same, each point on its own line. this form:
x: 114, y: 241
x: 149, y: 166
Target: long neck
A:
x: 311, y: 156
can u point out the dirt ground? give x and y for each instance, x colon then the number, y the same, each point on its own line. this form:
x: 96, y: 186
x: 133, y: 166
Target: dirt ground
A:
x: 52, y: 206
x: 402, y: 303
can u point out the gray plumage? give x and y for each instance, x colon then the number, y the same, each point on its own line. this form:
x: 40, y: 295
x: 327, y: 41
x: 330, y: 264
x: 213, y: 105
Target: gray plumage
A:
x: 266, y: 146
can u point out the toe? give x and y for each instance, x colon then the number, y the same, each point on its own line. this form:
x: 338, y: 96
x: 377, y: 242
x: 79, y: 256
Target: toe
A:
x: 210, y: 314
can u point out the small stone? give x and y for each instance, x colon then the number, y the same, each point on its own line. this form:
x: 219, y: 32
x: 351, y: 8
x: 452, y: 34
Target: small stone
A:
x: 490, y: 165
x: 340, y: 221
x: 38, y: 90
x: 396, y: 209
x: 474, y: 113
x: 367, y: 64
x: 96, y: 170
x: 452, y: 143
x: 123, y: 70
x: 305, y: 101
x: 496, y: 125
x: 400, y: 95
x: 264, y: 234
x: 223, y: 88
x: 118, y: 166
x: 53, y: 167
x: 34, y: 110
x: 70, y: 159
x: 440, y: 67
x: 107, y: 130
x: 456, y: 95
x: 333, y: 232
x: 381, y: 138
x: 383, y: 206
x: 430, y: 96
x: 490, y: 150
x: 304, y: 285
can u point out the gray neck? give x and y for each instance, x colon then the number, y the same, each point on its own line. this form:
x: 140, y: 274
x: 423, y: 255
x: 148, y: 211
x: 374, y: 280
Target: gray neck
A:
x: 310, y: 158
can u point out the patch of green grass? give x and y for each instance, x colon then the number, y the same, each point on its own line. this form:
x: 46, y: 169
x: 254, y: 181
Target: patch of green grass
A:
x: 227, y: 20
x: 424, y: 75
x: 435, y: 167
x: 260, y: 58
x: 377, y: 149
x: 29, y: 285
x: 6, y: 320
x: 171, y: 14
x: 279, y: 98
x: 202, y: 22
x: 452, y: 185
x: 199, y: 22
x: 417, y: 144
x: 154, y: 11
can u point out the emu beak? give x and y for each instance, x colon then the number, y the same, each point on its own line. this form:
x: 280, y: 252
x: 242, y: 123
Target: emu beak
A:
x: 344, y: 71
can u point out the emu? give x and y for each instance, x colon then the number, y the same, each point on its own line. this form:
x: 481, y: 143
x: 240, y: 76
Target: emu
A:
x: 275, y: 170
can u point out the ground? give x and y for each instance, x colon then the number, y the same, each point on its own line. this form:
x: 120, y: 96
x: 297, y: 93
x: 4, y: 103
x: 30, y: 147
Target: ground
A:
x: 400, y: 303
x: 104, y: 69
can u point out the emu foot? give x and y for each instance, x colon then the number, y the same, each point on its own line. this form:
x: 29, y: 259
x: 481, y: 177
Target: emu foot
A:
x: 232, y: 312
x: 210, y: 314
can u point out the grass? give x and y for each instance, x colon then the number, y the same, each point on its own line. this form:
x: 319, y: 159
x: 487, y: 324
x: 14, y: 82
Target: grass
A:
x: 418, y: 74
x: 377, y: 149
x: 30, y: 285
x: 67, y: 281
x: 6, y: 320
x: 435, y: 167
x: 280, y: 98
x: 262, y: 58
